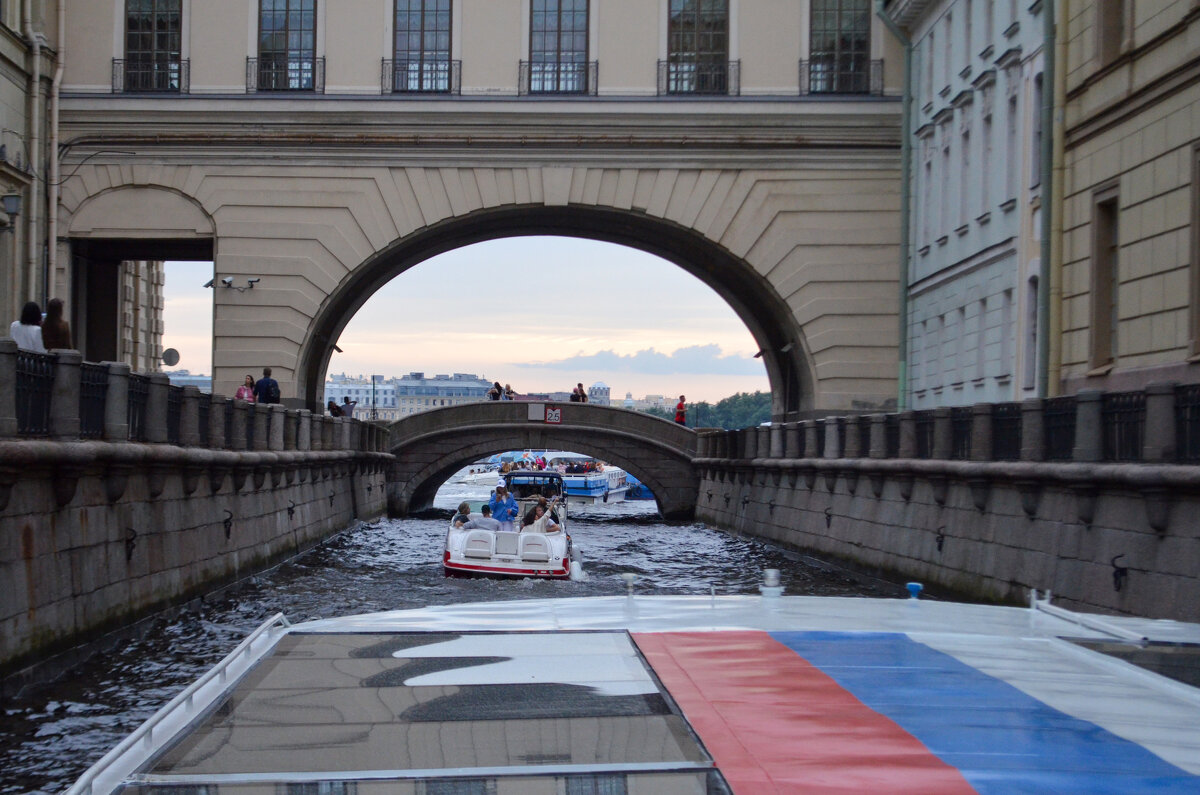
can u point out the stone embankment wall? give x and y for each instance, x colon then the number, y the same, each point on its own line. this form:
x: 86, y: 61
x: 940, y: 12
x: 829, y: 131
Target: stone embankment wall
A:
x: 1111, y: 537
x: 98, y: 532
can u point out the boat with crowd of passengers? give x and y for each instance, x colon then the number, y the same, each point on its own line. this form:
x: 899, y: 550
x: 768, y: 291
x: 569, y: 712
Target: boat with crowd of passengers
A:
x: 541, y: 549
x: 683, y: 694
x: 588, y: 481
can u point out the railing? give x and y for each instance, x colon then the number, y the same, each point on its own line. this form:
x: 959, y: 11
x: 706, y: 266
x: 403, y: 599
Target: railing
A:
x: 1123, y: 419
x: 203, y: 413
x: 93, y: 398
x: 820, y: 451
x: 1058, y: 424
x: 891, y: 436
x: 857, y: 77
x: 704, y: 77
x: 923, y: 422
x: 142, y: 76
x: 250, y: 423
x: 174, y: 412
x: 139, y: 392
x: 1187, y: 423
x: 35, y: 383
x: 285, y: 74
x: 557, y: 78
x: 420, y: 77
x: 961, y: 418
x: 229, y: 443
x: 1006, y: 432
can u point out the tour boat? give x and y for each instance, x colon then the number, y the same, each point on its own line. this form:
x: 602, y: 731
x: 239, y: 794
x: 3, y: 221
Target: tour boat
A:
x: 683, y: 694
x: 523, y: 553
x: 606, y: 483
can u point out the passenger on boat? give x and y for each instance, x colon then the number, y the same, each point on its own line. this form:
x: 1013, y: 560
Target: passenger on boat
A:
x: 538, y: 521
x: 504, y: 507
x: 463, y: 516
x: 485, y: 522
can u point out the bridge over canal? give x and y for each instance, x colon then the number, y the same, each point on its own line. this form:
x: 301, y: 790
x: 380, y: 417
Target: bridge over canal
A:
x: 431, y: 446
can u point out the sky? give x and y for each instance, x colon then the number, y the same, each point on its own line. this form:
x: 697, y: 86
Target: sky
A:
x: 540, y: 313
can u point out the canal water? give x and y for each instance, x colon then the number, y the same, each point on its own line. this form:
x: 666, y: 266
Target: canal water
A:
x: 48, y: 738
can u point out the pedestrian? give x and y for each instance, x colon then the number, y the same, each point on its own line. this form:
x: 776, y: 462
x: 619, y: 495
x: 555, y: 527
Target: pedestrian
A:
x: 681, y: 411
x: 582, y: 393
x: 28, y: 330
x: 246, y: 390
x: 347, y: 406
x: 509, y: 392
x: 333, y: 409
x: 267, y: 388
x: 495, y: 392
x: 485, y: 522
x: 56, y: 333
x: 504, y: 507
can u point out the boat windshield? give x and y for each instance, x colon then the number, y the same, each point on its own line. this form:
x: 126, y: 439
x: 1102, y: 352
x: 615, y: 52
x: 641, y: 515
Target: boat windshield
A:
x: 528, y: 485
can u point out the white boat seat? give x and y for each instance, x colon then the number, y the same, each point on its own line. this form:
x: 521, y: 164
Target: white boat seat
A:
x: 478, y: 544
x: 534, y: 546
x: 506, y: 543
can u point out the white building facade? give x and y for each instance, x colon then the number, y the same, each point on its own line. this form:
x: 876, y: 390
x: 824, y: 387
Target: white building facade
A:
x: 975, y: 190
x: 380, y: 398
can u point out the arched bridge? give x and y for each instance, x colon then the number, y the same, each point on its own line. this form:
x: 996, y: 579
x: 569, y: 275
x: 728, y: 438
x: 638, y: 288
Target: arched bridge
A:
x: 431, y: 446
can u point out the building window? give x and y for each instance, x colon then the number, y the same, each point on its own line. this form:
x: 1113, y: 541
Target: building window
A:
x: 1194, y: 268
x: 1105, y: 277
x: 697, y: 48
x: 1013, y: 155
x: 840, y: 47
x: 1029, y: 379
x: 152, y: 45
x: 287, y: 37
x: 1035, y: 123
x: 1110, y: 29
x: 422, y: 46
x: 964, y: 176
x: 558, y: 47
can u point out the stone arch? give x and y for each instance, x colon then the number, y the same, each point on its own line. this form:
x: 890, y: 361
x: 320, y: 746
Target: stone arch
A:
x: 431, y: 446
x: 143, y: 212
x: 766, y: 314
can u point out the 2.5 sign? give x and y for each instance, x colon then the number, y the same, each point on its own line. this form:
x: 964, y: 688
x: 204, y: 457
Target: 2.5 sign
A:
x: 554, y: 414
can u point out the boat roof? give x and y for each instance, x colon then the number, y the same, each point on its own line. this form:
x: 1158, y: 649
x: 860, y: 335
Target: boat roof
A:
x: 686, y: 694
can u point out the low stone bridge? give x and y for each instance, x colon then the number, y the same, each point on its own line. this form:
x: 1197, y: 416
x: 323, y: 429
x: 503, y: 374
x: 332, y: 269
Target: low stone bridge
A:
x: 431, y: 446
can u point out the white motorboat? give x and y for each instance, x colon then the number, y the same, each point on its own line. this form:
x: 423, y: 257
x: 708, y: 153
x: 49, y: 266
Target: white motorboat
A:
x: 682, y: 694
x: 542, y: 550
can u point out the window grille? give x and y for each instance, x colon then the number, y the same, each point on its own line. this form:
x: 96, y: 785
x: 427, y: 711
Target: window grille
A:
x: 1187, y: 423
x: 1058, y: 424
x: 153, y: 59
x: 287, y: 58
x: 421, y: 49
x: 961, y: 418
x: 1123, y: 422
x: 139, y: 393
x: 1006, y: 432
x: 697, y: 49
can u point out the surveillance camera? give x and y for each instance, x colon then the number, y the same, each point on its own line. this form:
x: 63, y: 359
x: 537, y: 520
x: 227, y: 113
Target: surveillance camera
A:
x: 209, y: 283
x: 227, y: 281
x: 253, y: 281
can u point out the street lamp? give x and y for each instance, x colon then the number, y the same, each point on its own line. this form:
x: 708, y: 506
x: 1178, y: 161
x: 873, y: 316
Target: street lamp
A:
x: 374, y: 410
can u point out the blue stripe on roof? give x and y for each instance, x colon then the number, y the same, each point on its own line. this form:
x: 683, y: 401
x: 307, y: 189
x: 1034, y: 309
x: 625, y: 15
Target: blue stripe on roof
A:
x: 1002, y: 740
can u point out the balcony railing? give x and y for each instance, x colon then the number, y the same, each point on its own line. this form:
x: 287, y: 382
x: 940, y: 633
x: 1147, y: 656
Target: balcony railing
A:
x: 163, y: 77
x: 1187, y: 423
x: 960, y: 432
x: 1058, y: 423
x: 822, y: 77
x: 557, y: 78
x: 705, y: 77
x: 420, y: 77
x: 285, y: 74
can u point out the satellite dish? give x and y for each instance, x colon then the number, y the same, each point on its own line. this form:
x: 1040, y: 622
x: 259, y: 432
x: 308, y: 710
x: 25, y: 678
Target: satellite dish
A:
x: 170, y: 357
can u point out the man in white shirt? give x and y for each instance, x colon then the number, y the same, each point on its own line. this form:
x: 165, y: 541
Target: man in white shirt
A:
x: 347, y: 407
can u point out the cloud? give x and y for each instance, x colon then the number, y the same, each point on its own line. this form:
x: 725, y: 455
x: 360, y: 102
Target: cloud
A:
x: 692, y: 360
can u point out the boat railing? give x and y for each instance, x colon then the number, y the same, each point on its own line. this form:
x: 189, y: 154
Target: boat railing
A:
x: 145, y: 732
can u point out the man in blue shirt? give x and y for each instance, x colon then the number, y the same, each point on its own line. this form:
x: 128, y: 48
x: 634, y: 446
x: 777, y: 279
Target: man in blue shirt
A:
x: 266, y: 390
x: 504, y: 507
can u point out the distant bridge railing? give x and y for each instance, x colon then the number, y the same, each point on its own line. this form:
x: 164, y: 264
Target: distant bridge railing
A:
x: 1160, y: 424
x: 60, y: 397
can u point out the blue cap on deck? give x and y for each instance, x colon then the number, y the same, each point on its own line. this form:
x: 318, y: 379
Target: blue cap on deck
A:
x: 914, y: 589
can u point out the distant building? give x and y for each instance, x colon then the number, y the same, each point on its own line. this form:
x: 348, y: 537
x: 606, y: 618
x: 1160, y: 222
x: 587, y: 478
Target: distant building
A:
x: 396, y: 398
x: 185, y: 378
x: 628, y: 400
x: 598, y: 393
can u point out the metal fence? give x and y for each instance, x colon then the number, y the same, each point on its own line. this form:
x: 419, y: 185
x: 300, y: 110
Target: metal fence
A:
x: 704, y: 77
x: 174, y: 413
x: 1006, y: 432
x: 1123, y: 425
x: 1058, y: 425
x: 93, y: 398
x: 165, y: 76
x: 35, y: 383
x: 557, y: 78
x: 923, y: 421
x: 230, y: 444
x: 891, y: 436
x: 1187, y: 423
x: 421, y: 77
x: 820, y: 451
x: 854, y: 77
x: 961, y: 418
x: 204, y: 412
x: 139, y: 393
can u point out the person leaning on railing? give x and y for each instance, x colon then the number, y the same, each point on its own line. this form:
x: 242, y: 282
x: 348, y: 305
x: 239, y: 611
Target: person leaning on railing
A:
x: 27, y: 332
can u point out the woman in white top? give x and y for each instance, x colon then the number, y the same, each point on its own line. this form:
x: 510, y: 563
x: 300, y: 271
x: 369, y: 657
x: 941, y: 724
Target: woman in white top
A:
x: 28, y: 330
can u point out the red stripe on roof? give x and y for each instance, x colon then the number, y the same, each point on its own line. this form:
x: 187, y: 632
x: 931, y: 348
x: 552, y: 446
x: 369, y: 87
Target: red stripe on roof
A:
x: 774, y: 723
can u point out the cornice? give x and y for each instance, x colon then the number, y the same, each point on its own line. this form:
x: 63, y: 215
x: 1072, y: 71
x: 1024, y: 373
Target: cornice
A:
x: 905, y: 12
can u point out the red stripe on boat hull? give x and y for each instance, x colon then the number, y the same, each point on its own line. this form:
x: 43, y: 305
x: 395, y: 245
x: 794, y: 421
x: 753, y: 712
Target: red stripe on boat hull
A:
x: 774, y: 723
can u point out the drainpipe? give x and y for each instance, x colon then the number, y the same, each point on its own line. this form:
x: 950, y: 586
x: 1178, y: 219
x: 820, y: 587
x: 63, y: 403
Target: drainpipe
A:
x: 53, y: 189
x: 905, y: 204
x: 35, y: 144
x: 1059, y: 166
x: 1049, y: 87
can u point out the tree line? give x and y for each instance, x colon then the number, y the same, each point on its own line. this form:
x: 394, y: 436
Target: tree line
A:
x: 736, y: 411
